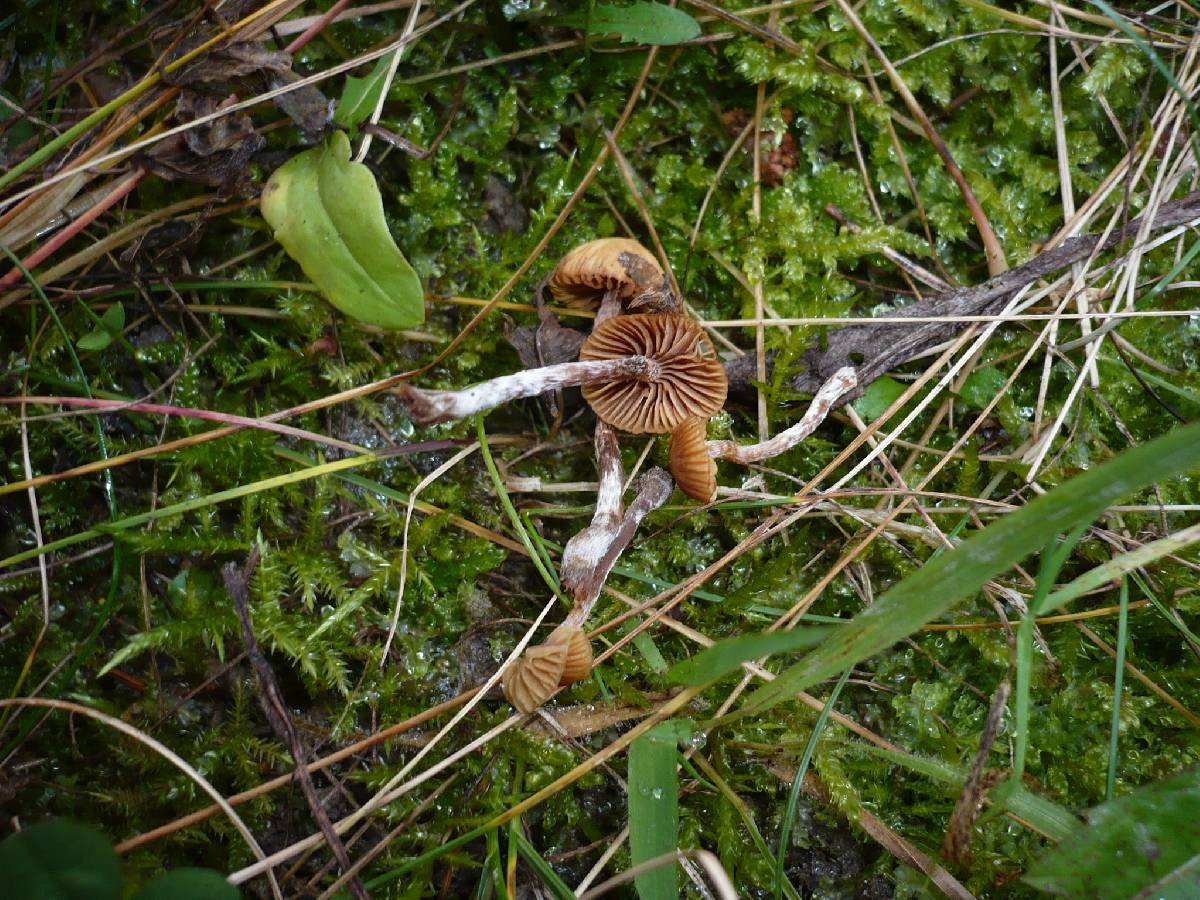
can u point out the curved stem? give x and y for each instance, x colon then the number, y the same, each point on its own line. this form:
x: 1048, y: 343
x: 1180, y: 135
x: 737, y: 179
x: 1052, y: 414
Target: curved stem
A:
x: 842, y: 381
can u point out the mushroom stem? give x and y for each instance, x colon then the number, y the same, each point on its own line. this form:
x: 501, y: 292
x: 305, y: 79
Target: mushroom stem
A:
x: 585, y: 549
x: 432, y: 407
x: 654, y: 489
x: 611, y: 475
x: 843, y: 380
x: 609, y: 306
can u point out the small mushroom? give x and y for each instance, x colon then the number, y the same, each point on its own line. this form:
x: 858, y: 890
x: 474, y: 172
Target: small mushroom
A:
x: 531, y: 680
x: 577, y: 663
x: 617, y: 269
x: 692, y: 468
x: 688, y: 380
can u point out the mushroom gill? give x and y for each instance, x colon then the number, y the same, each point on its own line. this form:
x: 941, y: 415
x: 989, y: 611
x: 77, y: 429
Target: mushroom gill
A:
x: 688, y: 381
x: 617, y: 265
x: 577, y: 662
x: 531, y: 680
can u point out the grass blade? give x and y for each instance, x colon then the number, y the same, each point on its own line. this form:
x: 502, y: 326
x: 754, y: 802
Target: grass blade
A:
x: 1119, y: 683
x: 789, y: 816
x: 944, y: 581
x: 654, y: 808
x: 726, y: 656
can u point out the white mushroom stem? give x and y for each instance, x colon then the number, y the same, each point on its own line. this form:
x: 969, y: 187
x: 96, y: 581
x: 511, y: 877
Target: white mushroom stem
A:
x: 585, y: 550
x: 826, y: 398
x: 654, y: 489
x: 610, y: 306
x: 431, y: 407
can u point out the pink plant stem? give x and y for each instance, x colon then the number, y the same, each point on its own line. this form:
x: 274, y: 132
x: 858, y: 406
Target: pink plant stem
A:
x: 843, y: 380
x: 73, y: 228
x: 188, y: 412
x: 316, y: 27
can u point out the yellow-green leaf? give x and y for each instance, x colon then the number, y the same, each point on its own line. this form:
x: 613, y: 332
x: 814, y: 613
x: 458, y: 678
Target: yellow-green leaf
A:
x: 328, y: 214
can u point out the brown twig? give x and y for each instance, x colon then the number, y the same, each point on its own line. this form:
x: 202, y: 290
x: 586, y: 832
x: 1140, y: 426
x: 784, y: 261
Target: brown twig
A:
x: 271, y: 698
x: 874, y: 349
x: 324, y: 762
x: 970, y: 801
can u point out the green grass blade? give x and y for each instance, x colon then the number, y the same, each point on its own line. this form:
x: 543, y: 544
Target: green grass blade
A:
x: 212, y: 499
x: 654, y: 808
x: 542, y: 869
x: 726, y: 656
x: 942, y: 582
x: 548, y: 575
x: 1053, y: 558
x: 789, y: 815
x: 1118, y: 567
x: 1114, y: 734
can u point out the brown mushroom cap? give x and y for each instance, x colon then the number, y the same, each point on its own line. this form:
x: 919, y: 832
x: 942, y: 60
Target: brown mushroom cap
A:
x: 589, y: 271
x: 689, y: 380
x: 693, y: 469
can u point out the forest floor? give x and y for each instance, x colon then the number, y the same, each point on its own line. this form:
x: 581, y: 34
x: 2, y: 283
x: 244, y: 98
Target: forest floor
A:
x: 186, y: 423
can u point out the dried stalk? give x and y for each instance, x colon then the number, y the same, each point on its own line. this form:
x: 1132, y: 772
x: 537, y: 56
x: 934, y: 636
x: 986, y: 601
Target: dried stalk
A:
x: 585, y: 550
x: 432, y: 407
x: 842, y: 382
x: 873, y: 349
x: 654, y: 489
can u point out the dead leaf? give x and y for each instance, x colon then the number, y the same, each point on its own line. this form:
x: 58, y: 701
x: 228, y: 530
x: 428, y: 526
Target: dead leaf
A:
x: 215, y: 153
x: 547, y: 344
x: 247, y: 68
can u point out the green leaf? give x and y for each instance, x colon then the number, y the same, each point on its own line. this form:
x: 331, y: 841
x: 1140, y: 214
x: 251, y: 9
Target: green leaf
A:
x: 188, y: 884
x: 328, y: 214
x: 724, y: 657
x: 981, y: 386
x: 949, y: 577
x: 1145, y: 844
x: 94, y: 340
x: 879, y: 395
x: 60, y: 860
x: 654, y: 806
x: 360, y: 95
x: 642, y: 23
x: 111, y: 324
x: 113, y: 320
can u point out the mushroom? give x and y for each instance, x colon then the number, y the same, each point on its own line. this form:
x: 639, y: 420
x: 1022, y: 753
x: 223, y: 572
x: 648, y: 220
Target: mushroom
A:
x: 692, y: 468
x: 610, y: 273
x: 531, y: 680
x: 565, y: 657
x: 689, y: 380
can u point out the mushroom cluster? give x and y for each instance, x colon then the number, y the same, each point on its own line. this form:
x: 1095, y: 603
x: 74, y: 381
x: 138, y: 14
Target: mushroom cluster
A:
x: 647, y: 367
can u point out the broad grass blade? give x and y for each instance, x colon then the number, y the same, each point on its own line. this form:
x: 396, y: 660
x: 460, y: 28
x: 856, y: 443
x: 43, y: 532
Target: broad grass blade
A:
x: 654, y: 807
